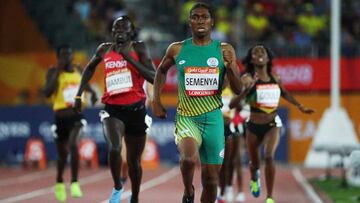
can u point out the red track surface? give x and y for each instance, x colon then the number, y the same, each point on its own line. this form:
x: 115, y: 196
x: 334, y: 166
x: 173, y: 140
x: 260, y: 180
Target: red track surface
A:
x: 163, y: 185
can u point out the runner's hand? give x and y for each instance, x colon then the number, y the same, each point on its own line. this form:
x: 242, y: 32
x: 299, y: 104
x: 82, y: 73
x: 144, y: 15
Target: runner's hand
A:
x: 248, y: 83
x: 306, y: 109
x: 158, y: 110
x: 228, y: 58
x: 125, y: 53
x: 93, y: 98
x: 77, y: 104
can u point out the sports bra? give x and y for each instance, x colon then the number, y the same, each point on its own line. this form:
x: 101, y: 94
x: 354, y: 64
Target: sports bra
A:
x: 264, y: 96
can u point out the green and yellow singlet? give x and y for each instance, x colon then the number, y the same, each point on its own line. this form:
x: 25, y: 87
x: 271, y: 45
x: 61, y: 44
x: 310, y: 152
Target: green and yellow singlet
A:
x: 201, y: 73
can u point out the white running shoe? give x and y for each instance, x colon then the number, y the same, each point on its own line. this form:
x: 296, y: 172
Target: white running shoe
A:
x: 240, y: 197
x: 229, y: 194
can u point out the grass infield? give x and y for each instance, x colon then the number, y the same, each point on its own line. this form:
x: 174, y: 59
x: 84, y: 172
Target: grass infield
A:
x: 336, y: 192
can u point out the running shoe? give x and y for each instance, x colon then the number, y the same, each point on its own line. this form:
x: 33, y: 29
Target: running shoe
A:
x: 60, y: 192
x: 229, y: 194
x: 255, y: 186
x: 131, y: 200
x: 218, y: 191
x: 240, y: 197
x: 189, y: 199
x: 270, y: 200
x: 75, y: 190
x: 220, y: 199
x: 116, y: 195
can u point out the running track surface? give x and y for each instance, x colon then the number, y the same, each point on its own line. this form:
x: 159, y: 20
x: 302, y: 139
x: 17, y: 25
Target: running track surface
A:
x: 163, y: 185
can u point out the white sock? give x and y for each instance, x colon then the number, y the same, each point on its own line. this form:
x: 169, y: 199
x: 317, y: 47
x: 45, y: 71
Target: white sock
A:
x: 229, y: 193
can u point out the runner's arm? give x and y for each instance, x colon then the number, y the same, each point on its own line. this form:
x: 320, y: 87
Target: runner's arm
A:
x: 145, y: 66
x: 160, y: 77
x: 51, y: 81
x: 232, y: 70
x: 288, y: 97
x: 90, y: 68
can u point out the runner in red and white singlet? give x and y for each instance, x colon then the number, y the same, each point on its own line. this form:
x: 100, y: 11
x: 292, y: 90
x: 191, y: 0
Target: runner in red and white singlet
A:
x: 127, y: 64
x: 123, y: 84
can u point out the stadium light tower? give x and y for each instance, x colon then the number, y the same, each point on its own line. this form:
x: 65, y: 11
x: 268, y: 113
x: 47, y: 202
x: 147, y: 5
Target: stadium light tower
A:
x: 335, y: 133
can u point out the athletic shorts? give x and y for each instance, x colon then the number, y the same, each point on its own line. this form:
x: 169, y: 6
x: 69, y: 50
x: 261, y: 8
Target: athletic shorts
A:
x: 261, y: 129
x: 208, y: 131
x: 133, y: 116
x: 64, y: 125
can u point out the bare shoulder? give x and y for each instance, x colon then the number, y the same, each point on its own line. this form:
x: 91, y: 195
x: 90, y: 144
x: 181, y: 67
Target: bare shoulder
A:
x: 77, y: 67
x: 102, y: 48
x: 174, y: 48
x: 51, y: 71
x: 276, y: 77
x: 176, y: 45
x: 51, y: 68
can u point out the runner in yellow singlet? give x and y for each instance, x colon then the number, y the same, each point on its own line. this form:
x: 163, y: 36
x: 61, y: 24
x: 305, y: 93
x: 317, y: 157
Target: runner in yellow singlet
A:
x: 62, y: 82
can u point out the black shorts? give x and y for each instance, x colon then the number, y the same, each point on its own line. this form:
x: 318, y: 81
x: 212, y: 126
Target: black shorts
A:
x: 261, y: 129
x: 133, y: 116
x: 65, y: 124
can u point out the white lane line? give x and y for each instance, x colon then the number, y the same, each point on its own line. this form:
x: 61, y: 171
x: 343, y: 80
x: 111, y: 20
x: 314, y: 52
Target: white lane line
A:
x: 47, y: 190
x: 152, y: 183
x: 26, y: 178
x: 307, y: 187
x: 28, y: 195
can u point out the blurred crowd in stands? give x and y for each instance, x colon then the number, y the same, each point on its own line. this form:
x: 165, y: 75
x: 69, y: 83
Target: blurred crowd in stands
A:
x: 300, y: 25
x: 291, y: 28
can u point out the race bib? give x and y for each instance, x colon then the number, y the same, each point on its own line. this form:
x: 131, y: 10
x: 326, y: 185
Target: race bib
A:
x: 201, y: 81
x: 69, y: 94
x: 268, y: 95
x: 119, y: 81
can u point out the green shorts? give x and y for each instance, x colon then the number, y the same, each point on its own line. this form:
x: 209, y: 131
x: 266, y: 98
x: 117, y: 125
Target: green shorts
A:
x: 208, y: 131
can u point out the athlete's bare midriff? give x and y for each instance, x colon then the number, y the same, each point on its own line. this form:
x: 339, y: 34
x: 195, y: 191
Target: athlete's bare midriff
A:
x: 262, y: 118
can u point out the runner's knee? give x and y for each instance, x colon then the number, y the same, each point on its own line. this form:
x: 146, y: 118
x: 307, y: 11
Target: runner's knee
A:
x: 73, y: 146
x: 188, y: 161
x: 115, y: 149
x: 62, y: 155
x: 269, y: 158
x: 210, y: 181
x: 133, y: 163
